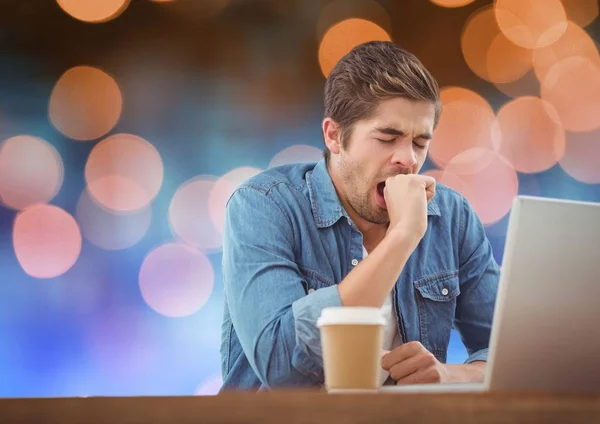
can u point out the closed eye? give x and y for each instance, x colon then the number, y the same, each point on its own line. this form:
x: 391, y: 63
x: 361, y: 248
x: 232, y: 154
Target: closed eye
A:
x: 419, y: 146
x: 386, y: 140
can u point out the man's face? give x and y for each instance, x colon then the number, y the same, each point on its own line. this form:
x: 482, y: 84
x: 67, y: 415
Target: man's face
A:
x: 393, y: 141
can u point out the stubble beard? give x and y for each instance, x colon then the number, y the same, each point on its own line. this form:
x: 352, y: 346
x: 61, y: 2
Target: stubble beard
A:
x: 360, y: 201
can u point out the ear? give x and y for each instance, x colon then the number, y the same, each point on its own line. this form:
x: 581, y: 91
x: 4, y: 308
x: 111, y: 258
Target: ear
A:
x: 331, y: 134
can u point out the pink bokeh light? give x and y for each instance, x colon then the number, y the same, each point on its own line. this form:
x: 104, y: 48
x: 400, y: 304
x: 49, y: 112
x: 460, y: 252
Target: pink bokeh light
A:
x: 47, y: 241
x: 222, y: 191
x: 189, y: 214
x: 124, y: 172
x: 490, y: 190
x: 295, y: 154
x: 210, y: 387
x: 176, y: 280
x: 31, y: 171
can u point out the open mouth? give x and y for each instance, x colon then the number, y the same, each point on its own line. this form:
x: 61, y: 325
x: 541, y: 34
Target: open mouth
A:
x: 380, y: 198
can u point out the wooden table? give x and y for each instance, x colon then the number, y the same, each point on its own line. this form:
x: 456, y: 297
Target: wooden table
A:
x: 308, y: 407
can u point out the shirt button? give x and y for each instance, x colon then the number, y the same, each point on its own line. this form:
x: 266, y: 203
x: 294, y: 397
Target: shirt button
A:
x: 311, y: 291
x: 354, y: 262
x: 445, y: 291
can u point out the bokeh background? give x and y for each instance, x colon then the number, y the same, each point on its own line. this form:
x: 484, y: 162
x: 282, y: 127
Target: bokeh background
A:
x: 125, y: 126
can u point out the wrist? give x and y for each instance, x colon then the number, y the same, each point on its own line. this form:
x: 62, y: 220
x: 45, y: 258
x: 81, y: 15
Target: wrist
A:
x: 465, y: 373
x: 403, y: 238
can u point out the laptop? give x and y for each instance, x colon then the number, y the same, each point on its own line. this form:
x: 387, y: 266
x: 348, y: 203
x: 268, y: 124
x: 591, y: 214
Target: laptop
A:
x: 546, y: 325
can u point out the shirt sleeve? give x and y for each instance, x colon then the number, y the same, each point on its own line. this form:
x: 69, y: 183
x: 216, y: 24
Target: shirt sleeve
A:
x: 479, y: 275
x: 274, y: 318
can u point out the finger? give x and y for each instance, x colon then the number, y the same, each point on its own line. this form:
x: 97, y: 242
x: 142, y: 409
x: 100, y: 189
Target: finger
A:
x: 430, y: 184
x: 430, y: 192
x: 423, y: 360
x: 418, y: 377
x: 429, y: 181
x: 391, y: 178
x: 421, y: 376
x: 401, y: 353
x: 405, y: 368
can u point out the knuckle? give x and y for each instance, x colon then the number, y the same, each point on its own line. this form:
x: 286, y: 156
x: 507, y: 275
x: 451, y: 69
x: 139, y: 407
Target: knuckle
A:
x: 413, y: 347
x: 427, y: 360
x: 433, y: 376
x: 394, y: 373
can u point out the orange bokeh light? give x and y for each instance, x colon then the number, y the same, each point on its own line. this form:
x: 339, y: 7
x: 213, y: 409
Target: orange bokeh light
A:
x: 339, y: 10
x: 506, y: 62
x: 343, y: 37
x: 47, y: 241
x: 488, y: 52
x: 582, y: 158
x: 222, y: 191
x: 466, y: 122
x: 124, y: 172
x: 450, y: 180
x: 86, y: 103
x: 490, y: 190
x: 189, y: 214
x: 31, y: 171
x: 572, y: 86
x: 574, y: 42
x: 93, y: 11
x: 582, y: 12
x: 531, y: 136
x: 531, y: 23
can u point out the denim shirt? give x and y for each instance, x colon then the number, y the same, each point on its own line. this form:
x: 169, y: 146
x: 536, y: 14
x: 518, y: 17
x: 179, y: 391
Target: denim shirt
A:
x: 288, y: 242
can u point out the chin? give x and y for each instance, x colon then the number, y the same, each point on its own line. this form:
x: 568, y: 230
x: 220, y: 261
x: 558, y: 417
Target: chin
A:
x: 379, y: 216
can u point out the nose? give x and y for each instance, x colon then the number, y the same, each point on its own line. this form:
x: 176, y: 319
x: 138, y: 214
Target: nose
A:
x: 405, y: 156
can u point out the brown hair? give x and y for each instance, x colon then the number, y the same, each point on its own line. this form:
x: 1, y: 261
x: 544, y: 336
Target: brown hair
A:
x: 372, y: 72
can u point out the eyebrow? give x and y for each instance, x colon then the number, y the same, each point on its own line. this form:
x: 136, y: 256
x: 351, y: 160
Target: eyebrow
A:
x: 396, y: 132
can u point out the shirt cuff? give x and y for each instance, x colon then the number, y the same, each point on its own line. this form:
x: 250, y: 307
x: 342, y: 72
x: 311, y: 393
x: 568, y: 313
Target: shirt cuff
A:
x: 307, y: 310
x: 480, y: 355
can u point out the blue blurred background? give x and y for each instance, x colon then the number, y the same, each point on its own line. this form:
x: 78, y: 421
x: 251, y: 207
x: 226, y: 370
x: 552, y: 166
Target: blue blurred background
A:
x: 126, y: 125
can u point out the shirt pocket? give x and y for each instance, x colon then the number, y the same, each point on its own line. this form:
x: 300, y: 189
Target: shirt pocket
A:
x: 312, y: 280
x: 436, y: 298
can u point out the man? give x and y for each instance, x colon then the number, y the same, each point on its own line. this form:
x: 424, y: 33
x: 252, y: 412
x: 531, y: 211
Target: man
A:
x: 359, y: 228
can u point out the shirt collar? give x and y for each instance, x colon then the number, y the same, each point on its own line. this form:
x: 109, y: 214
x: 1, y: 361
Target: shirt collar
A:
x: 325, y: 203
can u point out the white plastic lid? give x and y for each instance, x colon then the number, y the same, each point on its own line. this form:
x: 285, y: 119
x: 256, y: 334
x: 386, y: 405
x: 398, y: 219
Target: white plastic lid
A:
x: 340, y: 315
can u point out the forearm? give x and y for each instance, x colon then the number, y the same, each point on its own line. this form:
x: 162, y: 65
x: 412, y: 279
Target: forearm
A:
x: 282, y: 359
x: 285, y: 350
x: 372, y: 280
x: 466, y: 373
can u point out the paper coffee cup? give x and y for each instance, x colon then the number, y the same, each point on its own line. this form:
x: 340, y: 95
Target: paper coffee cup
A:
x: 351, y: 339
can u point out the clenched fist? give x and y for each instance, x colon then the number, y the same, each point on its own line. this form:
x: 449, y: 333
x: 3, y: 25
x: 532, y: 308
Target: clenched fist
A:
x: 411, y: 363
x: 406, y: 198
